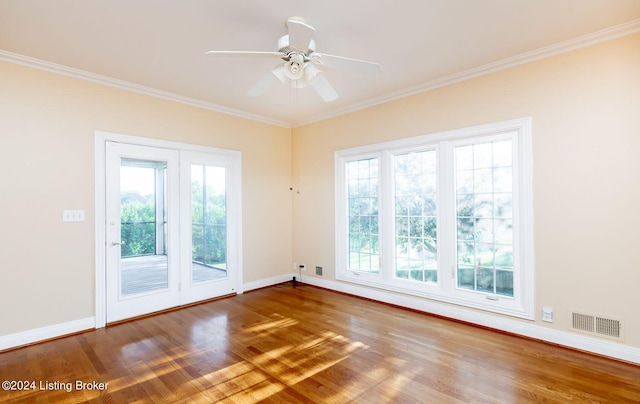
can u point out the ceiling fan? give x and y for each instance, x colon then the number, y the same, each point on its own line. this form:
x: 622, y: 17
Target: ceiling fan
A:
x: 301, y: 62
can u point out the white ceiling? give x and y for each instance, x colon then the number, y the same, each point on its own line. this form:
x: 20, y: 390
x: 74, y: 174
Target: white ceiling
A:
x: 160, y: 44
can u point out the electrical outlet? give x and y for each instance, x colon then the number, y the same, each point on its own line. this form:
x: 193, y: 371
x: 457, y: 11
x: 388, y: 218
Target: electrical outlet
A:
x: 547, y: 314
x: 294, y: 266
x: 303, y: 267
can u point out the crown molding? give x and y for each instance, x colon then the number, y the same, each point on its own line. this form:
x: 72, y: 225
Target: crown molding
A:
x: 39, y: 64
x: 584, y: 41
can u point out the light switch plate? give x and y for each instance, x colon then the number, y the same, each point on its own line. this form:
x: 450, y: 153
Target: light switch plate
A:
x: 73, y: 215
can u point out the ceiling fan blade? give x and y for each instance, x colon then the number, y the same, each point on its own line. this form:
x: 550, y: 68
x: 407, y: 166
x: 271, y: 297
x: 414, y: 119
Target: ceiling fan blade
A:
x: 324, y: 89
x: 246, y: 53
x: 262, y: 85
x: 300, y: 33
x: 340, y: 62
x: 279, y: 73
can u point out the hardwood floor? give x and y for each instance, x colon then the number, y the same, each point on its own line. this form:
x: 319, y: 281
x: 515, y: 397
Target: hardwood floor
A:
x: 289, y: 344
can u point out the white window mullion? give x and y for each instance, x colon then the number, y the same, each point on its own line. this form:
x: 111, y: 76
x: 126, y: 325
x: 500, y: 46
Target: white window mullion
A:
x: 387, y: 225
x: 160, y: 211
x: 446, y: 218
x: 523, y: 218
x: 517, y: 222
x: 341, y: 208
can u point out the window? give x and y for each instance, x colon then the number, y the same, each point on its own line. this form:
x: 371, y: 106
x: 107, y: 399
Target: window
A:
x: 446, y: 216
x: 362, y: 190
x: 415, y: 216
x: 484, y: 219
x: 142, y: 203
x: 208, y: 223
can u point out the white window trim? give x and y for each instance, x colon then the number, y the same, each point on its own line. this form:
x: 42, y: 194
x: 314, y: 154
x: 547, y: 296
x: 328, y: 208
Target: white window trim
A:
x: 522, y: 304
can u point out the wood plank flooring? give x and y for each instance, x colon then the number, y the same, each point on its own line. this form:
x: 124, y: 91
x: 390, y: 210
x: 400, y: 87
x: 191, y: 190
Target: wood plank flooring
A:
x: 303, y: 344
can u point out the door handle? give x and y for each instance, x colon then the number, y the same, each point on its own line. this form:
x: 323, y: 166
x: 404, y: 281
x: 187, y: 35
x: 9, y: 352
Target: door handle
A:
x: 115, y: 243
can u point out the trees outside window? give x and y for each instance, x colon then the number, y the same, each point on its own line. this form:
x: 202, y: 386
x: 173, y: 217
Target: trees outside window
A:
x: 138, y: 224
x: 209, y: 216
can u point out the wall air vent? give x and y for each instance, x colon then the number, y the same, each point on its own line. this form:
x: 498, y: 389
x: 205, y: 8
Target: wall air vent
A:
x: 597, y: 325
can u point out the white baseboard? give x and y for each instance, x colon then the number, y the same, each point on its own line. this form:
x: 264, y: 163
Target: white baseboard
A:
x: 59, y: 330
x: 44, y: 333
x: 262, y: 283
x: 565, y: 338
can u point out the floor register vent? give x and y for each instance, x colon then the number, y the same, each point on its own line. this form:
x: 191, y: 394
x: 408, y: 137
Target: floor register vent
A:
x: 596, y: 325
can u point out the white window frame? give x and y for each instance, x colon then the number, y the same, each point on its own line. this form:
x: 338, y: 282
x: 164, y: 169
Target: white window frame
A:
x: 519, y: 131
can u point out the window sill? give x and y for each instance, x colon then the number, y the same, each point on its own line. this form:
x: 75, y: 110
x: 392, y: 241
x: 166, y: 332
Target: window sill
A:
x: 504, y: 305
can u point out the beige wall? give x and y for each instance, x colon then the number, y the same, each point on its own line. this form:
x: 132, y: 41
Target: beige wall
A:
x: 585, y: 107
x: 586, y: 134
x: 47, y: 125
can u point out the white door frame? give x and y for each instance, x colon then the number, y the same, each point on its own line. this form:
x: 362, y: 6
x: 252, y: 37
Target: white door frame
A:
x: 234, y: 187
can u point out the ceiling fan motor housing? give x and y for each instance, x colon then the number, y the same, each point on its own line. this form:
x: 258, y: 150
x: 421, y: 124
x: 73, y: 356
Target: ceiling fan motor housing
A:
x: 295, y: 58
x: 284, y: 47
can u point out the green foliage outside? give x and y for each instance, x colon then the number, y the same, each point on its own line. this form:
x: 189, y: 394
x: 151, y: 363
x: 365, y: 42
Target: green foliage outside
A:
x: 209, y: 245
x: 484, y: 223
x: 482, y: 264
x: 415, y: 209
x: 138, y: 227
x: 209, y: 228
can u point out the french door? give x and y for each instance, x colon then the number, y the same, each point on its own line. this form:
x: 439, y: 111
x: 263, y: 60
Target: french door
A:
x: 208, y: 234
x: 168, y: 233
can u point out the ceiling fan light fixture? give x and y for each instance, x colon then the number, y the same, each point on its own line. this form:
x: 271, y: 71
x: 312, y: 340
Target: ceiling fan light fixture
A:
x: 294, y: 68
x: 311, y: 74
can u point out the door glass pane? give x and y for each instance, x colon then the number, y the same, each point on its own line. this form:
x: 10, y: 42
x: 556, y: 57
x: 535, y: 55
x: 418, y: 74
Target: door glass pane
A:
x: 208, y: 223
x: 362, y: 193
x: 415, y: 216
x: 143, y: 226
x: 484, y: 195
